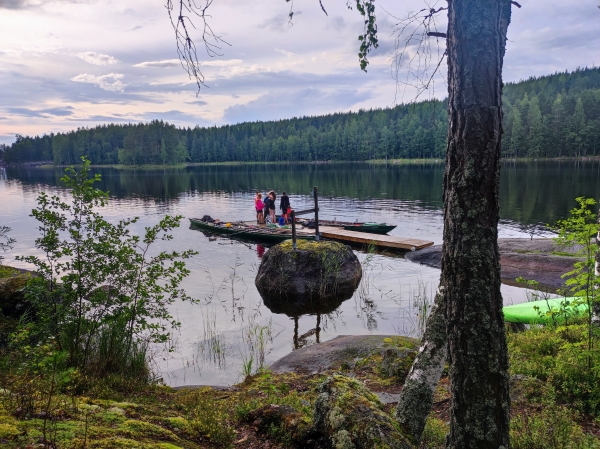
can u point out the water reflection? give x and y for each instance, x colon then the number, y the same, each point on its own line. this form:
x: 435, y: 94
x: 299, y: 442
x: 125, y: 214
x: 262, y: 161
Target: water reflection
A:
x: 530, y: 192
x: 230, y: 316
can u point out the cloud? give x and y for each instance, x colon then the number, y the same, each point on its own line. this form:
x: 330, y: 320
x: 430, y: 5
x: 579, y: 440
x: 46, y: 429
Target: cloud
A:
x: 163, y: 64
x: 175, y: 116
x: 197, y: 102
x: 97, y: 58
x: 307, y: 101
x: 57, y: 112
x: 102, y: 81
x: 7, y: 138
x: 24, y: 4
x: 222, y: 63
x: 177, y: 63
x: 280, y: 23
x: 108, y: 119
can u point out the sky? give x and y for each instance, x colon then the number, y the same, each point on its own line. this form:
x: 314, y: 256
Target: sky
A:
x: 66, y: 64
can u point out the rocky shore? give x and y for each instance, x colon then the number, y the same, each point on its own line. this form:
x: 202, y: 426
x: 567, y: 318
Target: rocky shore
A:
x: 542, y: 260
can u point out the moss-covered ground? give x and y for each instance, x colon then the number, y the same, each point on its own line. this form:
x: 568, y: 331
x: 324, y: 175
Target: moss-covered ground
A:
x: 552, y: 408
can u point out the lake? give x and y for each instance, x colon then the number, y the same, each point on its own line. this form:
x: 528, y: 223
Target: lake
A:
x: 218, y: 334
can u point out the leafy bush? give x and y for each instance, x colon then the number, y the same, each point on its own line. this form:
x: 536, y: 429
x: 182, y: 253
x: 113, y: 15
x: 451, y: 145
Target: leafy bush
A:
x: 552, y: 428
x: 560, y: 357
x: 100, y: 294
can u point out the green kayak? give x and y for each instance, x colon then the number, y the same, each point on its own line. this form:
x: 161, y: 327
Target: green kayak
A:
x: 538, y: 312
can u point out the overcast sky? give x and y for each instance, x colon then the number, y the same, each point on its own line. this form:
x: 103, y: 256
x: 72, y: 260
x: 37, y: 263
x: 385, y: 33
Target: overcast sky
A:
x: 66, y: 64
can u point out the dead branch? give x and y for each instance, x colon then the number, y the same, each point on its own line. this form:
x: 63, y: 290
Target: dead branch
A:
x: 436, y: 34
x: 186, y: 47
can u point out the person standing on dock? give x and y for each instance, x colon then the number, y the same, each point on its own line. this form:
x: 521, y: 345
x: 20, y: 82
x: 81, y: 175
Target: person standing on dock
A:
x: 285, y: 207
x: 259, y: 205
x: 272, y: 206
x: 266, y: 209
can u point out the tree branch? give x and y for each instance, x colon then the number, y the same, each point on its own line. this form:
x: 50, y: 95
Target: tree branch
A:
x: 186, y: 48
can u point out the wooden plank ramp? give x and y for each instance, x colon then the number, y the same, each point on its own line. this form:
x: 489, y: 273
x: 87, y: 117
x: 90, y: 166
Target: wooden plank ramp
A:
x: 386, y: 241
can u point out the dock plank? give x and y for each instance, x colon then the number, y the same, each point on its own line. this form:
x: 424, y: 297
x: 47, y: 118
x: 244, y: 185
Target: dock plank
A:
x: 388, y: 241
x: 381, y: 240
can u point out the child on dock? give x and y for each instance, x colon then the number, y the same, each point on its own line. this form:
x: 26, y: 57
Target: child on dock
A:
x: 259, y: 205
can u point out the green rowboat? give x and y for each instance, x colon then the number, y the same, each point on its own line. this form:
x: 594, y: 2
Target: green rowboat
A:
x: 542, y: 312
x: 373, y: 228
x: 247, y: 232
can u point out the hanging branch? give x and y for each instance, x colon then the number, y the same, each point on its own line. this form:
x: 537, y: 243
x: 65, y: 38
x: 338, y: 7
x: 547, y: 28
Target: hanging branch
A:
x: 186, y: 48
x: 413, y: 35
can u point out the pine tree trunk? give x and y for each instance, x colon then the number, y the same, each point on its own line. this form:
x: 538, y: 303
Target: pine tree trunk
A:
x: 470, y: 280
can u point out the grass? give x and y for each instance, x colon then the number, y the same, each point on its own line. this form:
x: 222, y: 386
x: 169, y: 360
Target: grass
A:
x: 213, y: 347
x: 157, y: 417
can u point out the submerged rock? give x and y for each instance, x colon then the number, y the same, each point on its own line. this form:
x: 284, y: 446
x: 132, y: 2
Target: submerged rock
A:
x: 352, y: 417
x: 315, y: 278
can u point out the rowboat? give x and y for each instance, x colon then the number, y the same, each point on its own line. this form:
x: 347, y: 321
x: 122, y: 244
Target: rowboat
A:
x: 245, y: 231
x: 546, y: 311
x: 373, y: 228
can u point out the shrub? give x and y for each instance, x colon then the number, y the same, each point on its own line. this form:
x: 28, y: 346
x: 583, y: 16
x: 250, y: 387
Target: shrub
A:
x: 560, y: 357
x: 552, y: 428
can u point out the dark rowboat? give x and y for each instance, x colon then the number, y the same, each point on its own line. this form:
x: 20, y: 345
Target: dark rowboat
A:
x: 373, y: 228
x: 247, y: 232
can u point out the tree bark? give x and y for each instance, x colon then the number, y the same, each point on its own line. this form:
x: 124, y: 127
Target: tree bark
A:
x: 416, y: 398
x: 470, y: 279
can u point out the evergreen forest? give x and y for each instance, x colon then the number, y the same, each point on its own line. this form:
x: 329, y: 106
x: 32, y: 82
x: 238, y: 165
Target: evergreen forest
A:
x: 550, y: 116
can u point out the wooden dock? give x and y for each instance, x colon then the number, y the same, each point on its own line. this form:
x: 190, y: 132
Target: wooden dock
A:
x: 385, y: 241
x: 366, y: 238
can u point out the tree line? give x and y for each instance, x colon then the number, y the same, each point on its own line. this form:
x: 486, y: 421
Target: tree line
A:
x: 550, y: 116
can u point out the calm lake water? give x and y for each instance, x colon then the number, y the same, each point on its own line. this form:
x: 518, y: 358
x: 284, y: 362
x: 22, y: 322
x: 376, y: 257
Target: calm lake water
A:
x: 216, y: 334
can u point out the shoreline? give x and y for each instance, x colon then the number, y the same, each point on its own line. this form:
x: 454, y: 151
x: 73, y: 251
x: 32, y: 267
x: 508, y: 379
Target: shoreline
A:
x: 433, y: 161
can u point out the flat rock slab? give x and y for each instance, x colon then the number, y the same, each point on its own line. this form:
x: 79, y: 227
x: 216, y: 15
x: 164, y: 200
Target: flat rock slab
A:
x: 531, y: 259
x: 331, y: 354
x: 387, y: 398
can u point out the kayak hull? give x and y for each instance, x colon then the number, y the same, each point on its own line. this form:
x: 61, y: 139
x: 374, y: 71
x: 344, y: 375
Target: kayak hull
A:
x: 553, y: 310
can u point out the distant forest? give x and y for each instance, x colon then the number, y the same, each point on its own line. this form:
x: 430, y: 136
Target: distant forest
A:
x: 549, y: 116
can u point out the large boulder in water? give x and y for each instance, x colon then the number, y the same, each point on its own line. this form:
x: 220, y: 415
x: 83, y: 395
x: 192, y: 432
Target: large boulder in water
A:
x: 315, y: 278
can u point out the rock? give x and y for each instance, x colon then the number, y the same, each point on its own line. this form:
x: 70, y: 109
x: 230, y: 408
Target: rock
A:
x: 12, y: 301
x: 315, y: 278
x: 342, y: 350
x: 396, y: 362
x: 283, y: 417
x: 387, y: 398
x: 354, y: 418
x: 542, y: 260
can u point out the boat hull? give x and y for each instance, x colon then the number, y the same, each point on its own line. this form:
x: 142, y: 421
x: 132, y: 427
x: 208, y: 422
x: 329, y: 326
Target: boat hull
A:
x: 262, y: 235
x: 537, y: 312
x: 373, y: 229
